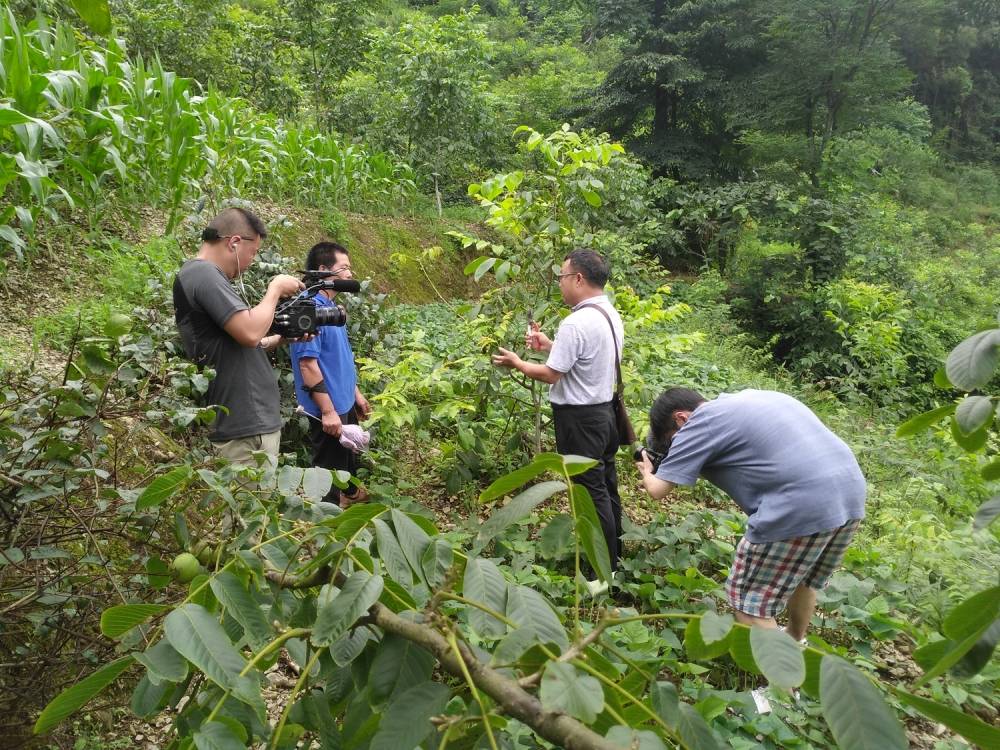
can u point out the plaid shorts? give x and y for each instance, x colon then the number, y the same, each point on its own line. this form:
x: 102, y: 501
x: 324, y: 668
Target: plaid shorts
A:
x: 764, y: 576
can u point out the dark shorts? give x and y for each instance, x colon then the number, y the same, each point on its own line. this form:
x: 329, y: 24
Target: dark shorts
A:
x: 764, y: 576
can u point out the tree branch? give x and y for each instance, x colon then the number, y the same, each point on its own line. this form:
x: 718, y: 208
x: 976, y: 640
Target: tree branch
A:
x: 512, y: 699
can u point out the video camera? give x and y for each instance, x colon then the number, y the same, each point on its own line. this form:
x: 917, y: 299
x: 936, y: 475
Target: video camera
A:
x: 300, y: 315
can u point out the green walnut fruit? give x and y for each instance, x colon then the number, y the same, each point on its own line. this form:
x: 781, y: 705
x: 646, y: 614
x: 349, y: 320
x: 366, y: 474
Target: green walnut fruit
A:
x: 117, y: 325
x: 202, y: 549
x: 185, y: 566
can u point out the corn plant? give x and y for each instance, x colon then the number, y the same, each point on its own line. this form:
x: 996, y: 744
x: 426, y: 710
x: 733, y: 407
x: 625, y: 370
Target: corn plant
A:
x: 85, y: 127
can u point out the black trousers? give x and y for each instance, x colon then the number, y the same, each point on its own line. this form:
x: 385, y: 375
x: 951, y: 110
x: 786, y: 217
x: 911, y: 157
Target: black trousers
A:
x: 590, y: 431
x: 328, y: 453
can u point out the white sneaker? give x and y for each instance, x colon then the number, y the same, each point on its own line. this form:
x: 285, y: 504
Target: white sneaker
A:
x: 760, y: 700
x: 598, y: 587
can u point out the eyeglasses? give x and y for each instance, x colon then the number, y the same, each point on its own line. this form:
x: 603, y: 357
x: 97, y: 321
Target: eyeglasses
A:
x: 560, y: 276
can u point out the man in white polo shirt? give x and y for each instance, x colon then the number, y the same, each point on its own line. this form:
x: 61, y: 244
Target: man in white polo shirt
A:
x: 581, y: 372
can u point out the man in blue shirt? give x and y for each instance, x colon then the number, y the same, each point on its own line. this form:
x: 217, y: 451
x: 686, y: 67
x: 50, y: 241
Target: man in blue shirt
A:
x: 799, y: 484
x: 326, y: 380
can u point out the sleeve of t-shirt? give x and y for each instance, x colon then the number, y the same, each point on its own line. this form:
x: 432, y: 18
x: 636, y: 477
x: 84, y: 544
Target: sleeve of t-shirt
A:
x: 566, y: 349
x: 693, y: 446
x: 310, y: 349
x: 213, y: 294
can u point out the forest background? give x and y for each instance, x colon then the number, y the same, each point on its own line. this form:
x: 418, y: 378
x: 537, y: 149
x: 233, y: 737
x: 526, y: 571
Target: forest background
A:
x: 793, y: 194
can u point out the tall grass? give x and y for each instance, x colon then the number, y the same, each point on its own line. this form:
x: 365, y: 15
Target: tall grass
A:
x: 84, y: 127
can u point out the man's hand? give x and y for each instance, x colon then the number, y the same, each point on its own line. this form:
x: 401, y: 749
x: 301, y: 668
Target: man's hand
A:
x: 285, y: 286
x: 645, y: 466
x: 331, y: 424
x: 363, y: 407
x: 535, y: 340
x: 507, y: 358
x: 656, y: 488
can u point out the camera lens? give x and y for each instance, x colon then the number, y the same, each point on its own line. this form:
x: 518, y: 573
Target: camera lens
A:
x: 331, y: 316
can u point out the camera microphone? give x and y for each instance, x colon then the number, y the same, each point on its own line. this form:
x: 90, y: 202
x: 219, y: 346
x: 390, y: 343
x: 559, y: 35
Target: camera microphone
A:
x: 343, y: 285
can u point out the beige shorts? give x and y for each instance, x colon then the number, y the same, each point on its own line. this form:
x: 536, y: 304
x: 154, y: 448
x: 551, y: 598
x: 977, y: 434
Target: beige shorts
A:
x: 240, y: 451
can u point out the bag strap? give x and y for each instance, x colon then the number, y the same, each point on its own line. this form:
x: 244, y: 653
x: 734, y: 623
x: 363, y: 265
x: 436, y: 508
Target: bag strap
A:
x: 614, y: 340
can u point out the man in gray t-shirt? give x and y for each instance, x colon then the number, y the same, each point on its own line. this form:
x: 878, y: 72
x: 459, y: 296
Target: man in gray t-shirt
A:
x: 799, y: 484
x: 220, y: 330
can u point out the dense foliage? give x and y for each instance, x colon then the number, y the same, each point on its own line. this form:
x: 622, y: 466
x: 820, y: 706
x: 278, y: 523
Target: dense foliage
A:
x: 821, y: 179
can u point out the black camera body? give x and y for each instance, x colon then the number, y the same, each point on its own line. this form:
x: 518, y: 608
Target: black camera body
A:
x: 302, y: 315
x: 655, y: 457
x: 298, y: 316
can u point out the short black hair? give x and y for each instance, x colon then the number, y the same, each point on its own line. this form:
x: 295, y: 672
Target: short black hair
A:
x: 592, y: 266
x: 324, y: 254
x: 234, y: 220
x: 661, y: 415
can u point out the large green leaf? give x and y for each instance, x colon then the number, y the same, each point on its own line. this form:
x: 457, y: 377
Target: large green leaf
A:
x: 220, y: 735
x: 436, y: 561
x: 530, y: 610
x: 163, y: 487
x: 75, y: 696
x: 233, y: 594
x: 315, y: 712
x: 921, y: 422
x: 635, y: 739
x: 149, y: 699
x: 557, y: 536
x: 120, y: 619
x: 986, y: 513
x: 740, y: 650
x: 395, y: 597
x: 979, y: 610
x: 350, y: 645
x: 694, y: 731
x: 991, y: 471
x: 683, y: 719
x: 971, y: 364
x: 975, y: 730
x: 589, y: 532
x: 484, y: 583
x: 95, y: 13
x: 391, y: 554
x: 516, y: 509
x: 778, y: 656
x: 715, y: 627
x: 413, y: 540
x: 567, y: 689
x: 163, y: 663
x: 974, y: 413
x: 977, y: 657
x: 10, y: 117
x: 407, y: 720
x: 355, y: 518
x: 340, y: 612
x: 399, y: 664
x: 972, y: 442
x: 513, y: 480
x: 956, y: 653
x: 855, y: 710
x: 696, y: 647
x: 574, y: 465
x: 198, y: 637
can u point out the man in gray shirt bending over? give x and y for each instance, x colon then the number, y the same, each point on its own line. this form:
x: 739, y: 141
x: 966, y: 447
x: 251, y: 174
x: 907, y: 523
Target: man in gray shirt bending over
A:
x: 221, y: 330
x: 581, y: 370
x: 799, y: 484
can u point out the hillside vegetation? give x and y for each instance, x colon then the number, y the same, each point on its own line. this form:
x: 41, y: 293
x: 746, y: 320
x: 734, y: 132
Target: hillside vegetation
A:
x: 793, y: 195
